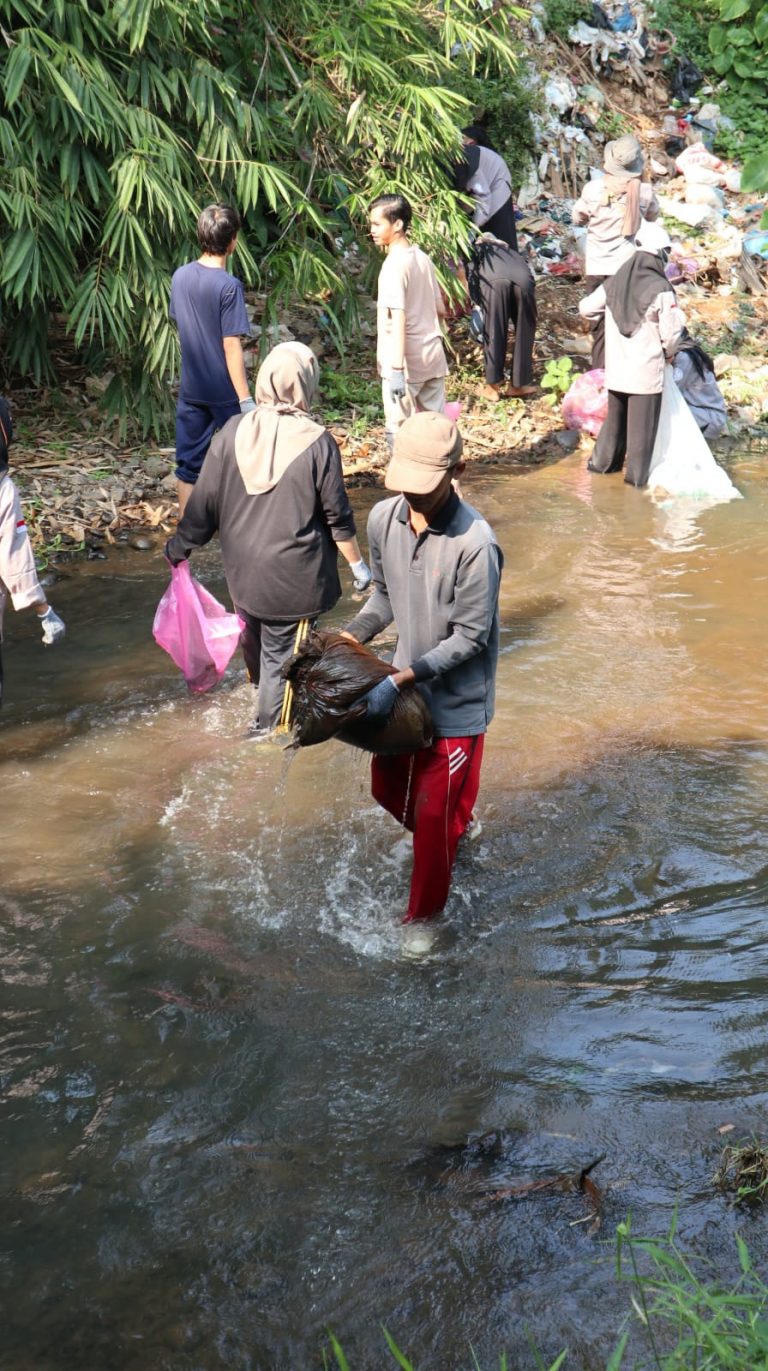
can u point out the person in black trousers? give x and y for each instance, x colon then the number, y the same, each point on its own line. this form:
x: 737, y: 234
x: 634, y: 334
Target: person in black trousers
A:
x: 501, y: 283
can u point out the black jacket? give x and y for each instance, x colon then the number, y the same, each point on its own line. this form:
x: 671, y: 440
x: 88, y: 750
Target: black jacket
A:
x: 279, y: 548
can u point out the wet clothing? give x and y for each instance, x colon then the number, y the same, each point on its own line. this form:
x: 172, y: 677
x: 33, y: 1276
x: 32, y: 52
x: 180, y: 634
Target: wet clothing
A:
x: 441, y: 589
x: 207, y: 305
x: 501, y: 282
x: 702, y: 395
x: 265, y: 645
x: 432, y: 793
x: 279, y: 548
x: 635, y: 364
x: 607, y: 246
x: 628, y: 431
x: 407, y: 282
x: 484, y: 175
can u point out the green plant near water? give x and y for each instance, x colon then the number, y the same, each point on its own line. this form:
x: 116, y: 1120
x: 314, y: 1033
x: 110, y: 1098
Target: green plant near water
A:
x: 557, y: 378
x: 743, y: 1170
x: 122, y: 118
x: 561, y: 15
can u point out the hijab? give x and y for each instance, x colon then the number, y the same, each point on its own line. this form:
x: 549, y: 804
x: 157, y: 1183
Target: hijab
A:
x: 279, y: 429
x: 634, y: 288
x: 624, y: 162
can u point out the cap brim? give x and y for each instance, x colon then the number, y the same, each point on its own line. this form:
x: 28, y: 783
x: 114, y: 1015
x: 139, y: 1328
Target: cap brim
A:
x: 411, y: 477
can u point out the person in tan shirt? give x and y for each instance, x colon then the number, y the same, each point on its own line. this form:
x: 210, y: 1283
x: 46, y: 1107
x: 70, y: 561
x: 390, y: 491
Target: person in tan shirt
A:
x: 409, y: 351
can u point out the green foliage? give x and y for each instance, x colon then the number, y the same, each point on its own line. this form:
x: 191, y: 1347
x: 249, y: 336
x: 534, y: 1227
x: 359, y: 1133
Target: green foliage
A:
x: 690, y: 26
x: 561, y: 15
x: 738, y: 54
x: 557, y: 378
x: 505, y: 104
x: 121, y: 119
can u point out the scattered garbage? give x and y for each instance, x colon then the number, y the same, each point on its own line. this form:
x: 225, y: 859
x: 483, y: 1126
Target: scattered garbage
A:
x: 682, y: 463
x: 686, y: 79
x: 756, y: 244
x: 329, y: 674
x: 586, y: 403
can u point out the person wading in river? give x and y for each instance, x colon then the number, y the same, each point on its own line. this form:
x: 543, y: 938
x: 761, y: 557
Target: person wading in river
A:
x: 18, y: 573
x: 643, y: 327
x: 436, y: 570
x: 273, y: 489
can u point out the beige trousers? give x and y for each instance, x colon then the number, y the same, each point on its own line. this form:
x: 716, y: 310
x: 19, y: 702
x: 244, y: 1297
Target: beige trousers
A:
x: 419, y: 395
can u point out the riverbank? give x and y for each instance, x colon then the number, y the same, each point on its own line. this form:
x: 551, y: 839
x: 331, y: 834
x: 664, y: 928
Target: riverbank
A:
x: 83, y: 490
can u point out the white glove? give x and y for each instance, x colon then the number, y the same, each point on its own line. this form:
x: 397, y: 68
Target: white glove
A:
x: 397, y: 384
x: 247, y: 404
x: 53, y: 627
x: 362, y: 574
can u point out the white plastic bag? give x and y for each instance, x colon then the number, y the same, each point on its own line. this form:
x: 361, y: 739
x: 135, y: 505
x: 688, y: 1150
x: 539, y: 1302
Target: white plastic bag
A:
x: 682, y: 463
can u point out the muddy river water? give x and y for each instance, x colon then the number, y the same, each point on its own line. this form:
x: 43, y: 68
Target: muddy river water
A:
x: 230, y: 1108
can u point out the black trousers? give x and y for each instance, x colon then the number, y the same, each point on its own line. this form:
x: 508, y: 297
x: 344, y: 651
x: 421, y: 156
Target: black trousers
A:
x: 598, y: 325
x: 502, y: 225
x: 506, y: 297
x: 266, y: 644
x: 629, y: 431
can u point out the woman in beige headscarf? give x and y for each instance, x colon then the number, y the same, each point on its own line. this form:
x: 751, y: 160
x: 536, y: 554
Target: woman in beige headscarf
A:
x: 613, y: 207
x: 272, y: 487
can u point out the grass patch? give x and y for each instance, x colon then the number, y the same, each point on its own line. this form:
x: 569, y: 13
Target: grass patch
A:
x: 743, y: 1173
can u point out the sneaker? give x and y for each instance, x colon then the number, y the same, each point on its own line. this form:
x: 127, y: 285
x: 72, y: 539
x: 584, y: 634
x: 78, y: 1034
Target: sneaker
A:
x: 419, y: 939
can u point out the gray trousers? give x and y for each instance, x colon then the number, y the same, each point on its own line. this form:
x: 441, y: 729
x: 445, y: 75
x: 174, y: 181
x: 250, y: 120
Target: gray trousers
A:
x: 266, y: 644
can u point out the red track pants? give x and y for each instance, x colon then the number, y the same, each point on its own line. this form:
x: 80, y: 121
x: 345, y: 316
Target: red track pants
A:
x: 432, y: 793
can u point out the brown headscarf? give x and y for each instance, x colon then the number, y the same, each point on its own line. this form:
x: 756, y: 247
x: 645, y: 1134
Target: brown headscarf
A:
x: 280, y: 428
x: 624, y: 162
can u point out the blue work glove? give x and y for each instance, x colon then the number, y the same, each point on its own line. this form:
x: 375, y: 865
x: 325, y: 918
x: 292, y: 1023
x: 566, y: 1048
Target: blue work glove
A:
x: 380, y: 701
x: 477, y: 324
x: 362, y: 574
x: 247, y: 404
x: 397, y: 384
x: 52, y: 626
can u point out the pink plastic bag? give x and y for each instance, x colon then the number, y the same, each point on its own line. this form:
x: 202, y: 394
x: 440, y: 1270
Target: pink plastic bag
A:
x: 586, y: 403
x: 452, y: 409
x: 195, y: 630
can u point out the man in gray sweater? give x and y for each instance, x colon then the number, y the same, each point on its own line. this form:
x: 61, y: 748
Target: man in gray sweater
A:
x: 436, y: 571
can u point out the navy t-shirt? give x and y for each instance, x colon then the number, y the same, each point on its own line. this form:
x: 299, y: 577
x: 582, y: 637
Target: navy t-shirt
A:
x: 207, y: 304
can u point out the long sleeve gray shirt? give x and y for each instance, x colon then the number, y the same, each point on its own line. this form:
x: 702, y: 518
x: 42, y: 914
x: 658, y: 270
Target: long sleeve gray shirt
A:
x: 441, y: 590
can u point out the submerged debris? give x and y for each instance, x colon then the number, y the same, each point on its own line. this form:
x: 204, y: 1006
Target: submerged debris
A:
x: 743, y: 1172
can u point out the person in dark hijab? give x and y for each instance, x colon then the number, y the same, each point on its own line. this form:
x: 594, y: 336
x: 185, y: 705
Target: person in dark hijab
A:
x: 643, y: 325
x: 272, y: 487
x: 484, y: 176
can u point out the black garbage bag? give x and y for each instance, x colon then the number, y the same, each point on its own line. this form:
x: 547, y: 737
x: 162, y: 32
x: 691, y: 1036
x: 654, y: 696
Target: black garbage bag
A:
x: 685, y: 80
x: 329, y: 673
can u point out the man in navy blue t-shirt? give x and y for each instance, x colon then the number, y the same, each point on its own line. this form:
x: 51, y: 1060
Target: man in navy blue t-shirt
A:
x: 208, y: 308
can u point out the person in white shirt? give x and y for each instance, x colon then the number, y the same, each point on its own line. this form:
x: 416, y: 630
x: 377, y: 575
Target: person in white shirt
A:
x: 409, y: 348
x: 643, y: 326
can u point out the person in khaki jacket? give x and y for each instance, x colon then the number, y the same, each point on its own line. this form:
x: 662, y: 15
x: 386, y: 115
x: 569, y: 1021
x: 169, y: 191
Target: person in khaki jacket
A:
x: 643, y: 327
x: 18, y: 574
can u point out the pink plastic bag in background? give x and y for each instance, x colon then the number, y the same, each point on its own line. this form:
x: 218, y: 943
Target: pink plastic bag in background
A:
x: 195, y: 630
x: 585, y: 405
x: 452, y: 409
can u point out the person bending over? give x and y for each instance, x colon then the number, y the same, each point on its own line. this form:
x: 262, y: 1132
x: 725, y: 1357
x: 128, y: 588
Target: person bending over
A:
x: 409, y: 346
x: 694, y: 373
x: 436, y: 570
x: 483, y: 174
x: 501, y: 283
x: 208, y: 308
x: 643, y: 325
x: 272, y: 488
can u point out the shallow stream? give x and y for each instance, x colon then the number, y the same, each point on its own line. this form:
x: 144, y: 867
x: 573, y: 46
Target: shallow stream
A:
x: 230, y: 1110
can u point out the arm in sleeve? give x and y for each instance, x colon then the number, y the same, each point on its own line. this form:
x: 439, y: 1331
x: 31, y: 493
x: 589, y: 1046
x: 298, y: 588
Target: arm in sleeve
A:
x: 332, y: 492
x: 377, y: 613
x: 671, y: 321
x: 593, y: 305
x: 201, y: 517
x: 651, y: 209
x: 234, y: 316
x: 17, y: 560
x: 477, y: 593
x: 581, y: 212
